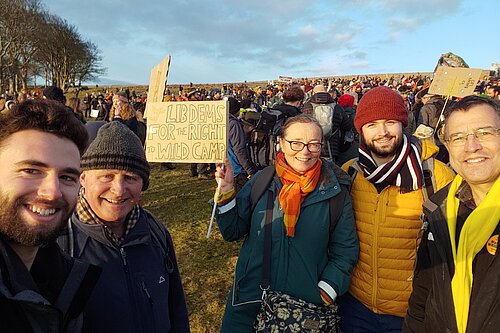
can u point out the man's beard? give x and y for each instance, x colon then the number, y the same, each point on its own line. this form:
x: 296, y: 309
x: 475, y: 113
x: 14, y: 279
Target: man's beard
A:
x: 374, y: 150
x: 14, y: 228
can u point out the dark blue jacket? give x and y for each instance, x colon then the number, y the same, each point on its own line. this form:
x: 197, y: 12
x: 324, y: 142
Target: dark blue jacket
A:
x: 140, y: 287
x: 238, y: 153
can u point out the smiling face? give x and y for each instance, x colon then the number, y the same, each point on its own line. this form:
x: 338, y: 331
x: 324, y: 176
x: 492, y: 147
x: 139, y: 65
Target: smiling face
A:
x: 477, y: 162
x: 382, y: 138
x: 303, y: 160
x: 39, y: 177
x: 111, y: 194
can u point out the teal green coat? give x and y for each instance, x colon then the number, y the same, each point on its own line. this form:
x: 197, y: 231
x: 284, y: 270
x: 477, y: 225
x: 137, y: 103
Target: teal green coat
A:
x: 298, y: 263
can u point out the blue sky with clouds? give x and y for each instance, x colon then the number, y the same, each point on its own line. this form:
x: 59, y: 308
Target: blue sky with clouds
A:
x: 232, y: 41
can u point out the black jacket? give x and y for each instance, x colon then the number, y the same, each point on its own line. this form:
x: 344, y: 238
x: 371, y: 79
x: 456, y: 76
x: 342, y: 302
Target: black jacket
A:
x: 288, y: 110
x: 431, y: 306
x: 48, y: 298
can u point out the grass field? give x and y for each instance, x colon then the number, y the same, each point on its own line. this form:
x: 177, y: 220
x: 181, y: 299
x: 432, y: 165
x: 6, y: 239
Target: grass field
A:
x: 206, y: 265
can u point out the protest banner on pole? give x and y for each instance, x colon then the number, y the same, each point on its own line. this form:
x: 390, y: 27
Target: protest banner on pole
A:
x: 157, y: 83
x: 454, y: 81
x: 285, y: 79
x: 187, y: 132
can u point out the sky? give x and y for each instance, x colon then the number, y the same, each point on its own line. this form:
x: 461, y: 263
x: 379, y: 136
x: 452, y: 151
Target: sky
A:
x: 217, y: 41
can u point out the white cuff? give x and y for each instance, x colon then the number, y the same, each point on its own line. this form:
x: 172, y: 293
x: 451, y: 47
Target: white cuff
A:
x: 328, y: 289
x: 227, y: 207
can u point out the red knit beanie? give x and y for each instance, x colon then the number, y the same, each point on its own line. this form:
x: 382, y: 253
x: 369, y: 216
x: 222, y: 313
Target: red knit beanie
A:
x: 346, y: 100
x: 380, y: 103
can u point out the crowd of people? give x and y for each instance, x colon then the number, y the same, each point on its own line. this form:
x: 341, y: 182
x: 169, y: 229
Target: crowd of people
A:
x: 367, y: 198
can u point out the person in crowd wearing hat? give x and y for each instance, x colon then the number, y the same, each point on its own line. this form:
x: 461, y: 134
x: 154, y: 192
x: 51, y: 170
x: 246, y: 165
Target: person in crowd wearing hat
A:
x: 429, y: 116
x: 387, y: 194
x: 340, y: 123
x: 54, y: 93
x: 41, y: 288
x: 215, y: 94
x: 140, y: 287
x: 457, y: 276
x: 238, y: 154
x: 431, y: 110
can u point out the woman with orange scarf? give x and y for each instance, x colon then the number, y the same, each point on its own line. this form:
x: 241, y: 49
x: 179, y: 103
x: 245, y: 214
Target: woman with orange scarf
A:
x: 308, y: 260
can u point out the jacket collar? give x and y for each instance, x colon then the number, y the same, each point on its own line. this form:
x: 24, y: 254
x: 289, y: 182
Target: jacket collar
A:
x: 139, y: 234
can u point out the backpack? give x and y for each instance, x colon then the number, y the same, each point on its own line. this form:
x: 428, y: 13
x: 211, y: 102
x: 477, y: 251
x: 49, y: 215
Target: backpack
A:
x: 263, y: 141
x: 270, y: 121
x: 265, y: 177
x: 324, y: 115
x: 262, y: 149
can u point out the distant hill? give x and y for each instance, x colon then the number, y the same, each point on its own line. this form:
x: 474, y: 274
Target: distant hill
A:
x: 104, y: 81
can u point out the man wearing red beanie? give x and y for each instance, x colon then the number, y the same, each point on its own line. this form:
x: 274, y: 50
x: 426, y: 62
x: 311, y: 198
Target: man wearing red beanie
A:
x: 387, y: 194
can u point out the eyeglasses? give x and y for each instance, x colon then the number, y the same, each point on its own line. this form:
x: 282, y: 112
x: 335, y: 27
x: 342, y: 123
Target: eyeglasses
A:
x: 313, y: 147
x: 481, y: 134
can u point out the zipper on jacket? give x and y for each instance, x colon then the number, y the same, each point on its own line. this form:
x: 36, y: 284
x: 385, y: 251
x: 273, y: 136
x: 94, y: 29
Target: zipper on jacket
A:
x: 146, y: 292
x: 423, y: 229
x: 124, y: 259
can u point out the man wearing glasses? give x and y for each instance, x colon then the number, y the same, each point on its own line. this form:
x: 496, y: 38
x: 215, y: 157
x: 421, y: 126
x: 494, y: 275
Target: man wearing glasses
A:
x: 457, y: 276
x: 387, y: 195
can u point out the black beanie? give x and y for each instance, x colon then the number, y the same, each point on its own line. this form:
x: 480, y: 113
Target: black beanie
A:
x: 117, y: 147
x: 234, y: 105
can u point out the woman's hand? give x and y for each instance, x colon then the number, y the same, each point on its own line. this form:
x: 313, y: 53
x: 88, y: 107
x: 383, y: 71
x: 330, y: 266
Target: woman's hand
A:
x: 225, y: 174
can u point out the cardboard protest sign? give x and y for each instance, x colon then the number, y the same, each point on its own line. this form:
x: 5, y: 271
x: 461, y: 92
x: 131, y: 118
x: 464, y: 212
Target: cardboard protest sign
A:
x: 157, y: 83
x: 285, y: 79
x: 454, y: 81
x: 94, y: 113
x: 193, y: 132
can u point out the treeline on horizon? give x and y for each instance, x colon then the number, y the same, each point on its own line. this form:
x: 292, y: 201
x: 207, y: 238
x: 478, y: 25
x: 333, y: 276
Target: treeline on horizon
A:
x: 37, y: 44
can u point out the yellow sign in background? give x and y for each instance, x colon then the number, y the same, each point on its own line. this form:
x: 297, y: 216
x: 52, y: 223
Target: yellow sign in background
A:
x: 189, y: 132
x: 454, y: 81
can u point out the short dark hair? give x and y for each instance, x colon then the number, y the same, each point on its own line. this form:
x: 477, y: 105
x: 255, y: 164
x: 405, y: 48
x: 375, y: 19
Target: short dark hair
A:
x: 46, y: 116
x: 293, y: 94
x: 468, y: 102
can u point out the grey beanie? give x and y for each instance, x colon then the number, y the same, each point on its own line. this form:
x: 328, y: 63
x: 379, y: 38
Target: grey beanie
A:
x: 117, y: 147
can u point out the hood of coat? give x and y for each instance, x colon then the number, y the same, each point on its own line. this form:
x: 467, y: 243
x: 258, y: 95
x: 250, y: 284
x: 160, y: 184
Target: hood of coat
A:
x: 322, y: 98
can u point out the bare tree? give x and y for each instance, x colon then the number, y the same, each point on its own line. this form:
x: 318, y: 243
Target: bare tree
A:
x: 26, y: 43
x: 33, y: 41
x: 66, y: 57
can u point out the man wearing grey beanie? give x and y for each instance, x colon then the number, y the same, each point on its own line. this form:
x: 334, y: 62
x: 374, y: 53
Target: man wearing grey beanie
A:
x: 140, y: 287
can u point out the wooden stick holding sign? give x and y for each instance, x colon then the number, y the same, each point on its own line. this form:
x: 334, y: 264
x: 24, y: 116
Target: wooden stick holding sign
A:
x: 157, y: 83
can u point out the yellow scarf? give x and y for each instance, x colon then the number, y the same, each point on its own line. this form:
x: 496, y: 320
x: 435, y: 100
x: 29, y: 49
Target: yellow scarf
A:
x: 475, y: 233
x: 295, y: 188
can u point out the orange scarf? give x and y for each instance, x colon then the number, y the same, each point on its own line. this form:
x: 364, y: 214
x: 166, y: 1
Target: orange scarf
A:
x: 295, y: 188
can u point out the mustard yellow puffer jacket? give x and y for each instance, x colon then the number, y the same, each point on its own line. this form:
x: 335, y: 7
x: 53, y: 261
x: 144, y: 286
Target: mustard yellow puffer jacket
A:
x: 387, y: 225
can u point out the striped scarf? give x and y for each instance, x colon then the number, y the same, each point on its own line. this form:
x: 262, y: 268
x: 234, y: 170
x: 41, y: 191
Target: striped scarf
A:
x: 87, y: 216
x: 295, y: 188
x: 404, y: 170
